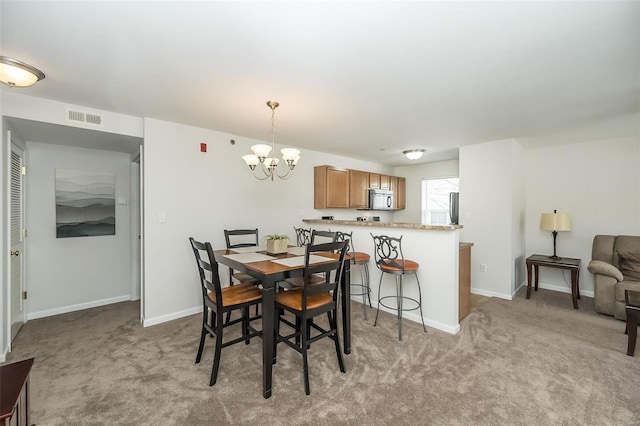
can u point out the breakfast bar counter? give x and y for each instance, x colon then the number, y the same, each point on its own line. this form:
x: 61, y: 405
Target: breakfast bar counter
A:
x: 435, y: 247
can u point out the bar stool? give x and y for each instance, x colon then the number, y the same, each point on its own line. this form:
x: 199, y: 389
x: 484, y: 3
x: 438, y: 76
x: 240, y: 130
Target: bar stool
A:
x: 390, y: 260
x: 361, y: 259
x: 303, y: 236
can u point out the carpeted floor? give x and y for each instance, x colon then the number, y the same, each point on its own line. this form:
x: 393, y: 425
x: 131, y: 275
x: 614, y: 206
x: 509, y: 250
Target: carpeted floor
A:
x: 534, y: 361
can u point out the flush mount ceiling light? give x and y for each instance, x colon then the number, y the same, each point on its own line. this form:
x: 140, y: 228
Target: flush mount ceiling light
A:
x: 413, y: 154
x: 269, y: 165
x: 14, y: 73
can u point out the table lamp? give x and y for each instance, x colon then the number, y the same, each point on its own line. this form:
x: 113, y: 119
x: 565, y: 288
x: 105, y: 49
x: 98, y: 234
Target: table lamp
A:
x: 555, y: 222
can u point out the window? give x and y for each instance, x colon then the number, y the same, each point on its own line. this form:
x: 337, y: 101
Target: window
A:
x: 435, y: 200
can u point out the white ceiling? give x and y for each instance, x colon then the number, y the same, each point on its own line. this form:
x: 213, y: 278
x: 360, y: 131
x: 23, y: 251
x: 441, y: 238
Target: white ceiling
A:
x: 360, y: 79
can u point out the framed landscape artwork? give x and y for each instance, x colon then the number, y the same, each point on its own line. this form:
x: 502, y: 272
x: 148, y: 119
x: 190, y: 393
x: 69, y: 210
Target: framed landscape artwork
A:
x: 85, y: 203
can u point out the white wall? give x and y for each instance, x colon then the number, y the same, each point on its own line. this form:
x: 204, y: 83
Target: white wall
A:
x: 597, y: 184
x: 66, y: 274
x: 415, y: 175
x: 487, y: 206
x: 201, y: 194
x: 518, y: 216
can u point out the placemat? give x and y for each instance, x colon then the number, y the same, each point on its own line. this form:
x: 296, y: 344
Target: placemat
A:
x: 247, y: 249
x: 297, y: 250
x: 299, y: 260
x: 248, y: 257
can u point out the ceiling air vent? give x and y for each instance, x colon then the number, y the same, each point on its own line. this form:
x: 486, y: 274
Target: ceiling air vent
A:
x: 78, y: 117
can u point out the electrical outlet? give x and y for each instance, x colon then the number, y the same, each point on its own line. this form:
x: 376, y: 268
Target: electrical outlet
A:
x: 162, y: 217
x: 483, y: 267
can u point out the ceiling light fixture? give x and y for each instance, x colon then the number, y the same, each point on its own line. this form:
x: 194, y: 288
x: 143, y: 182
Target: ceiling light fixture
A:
x: 14, y: 73
x: 413, y: 154
x: 269, y: 165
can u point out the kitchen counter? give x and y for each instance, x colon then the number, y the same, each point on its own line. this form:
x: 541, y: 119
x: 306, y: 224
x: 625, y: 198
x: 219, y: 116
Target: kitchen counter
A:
x: 436, y: 248
x: 384, y: 224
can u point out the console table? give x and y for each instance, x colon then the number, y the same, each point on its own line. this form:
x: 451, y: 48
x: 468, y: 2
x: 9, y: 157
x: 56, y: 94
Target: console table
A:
x: 536, y: 260
x: 14, y: 393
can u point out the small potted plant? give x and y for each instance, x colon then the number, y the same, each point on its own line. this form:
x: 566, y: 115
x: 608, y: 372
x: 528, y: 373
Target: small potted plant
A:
x: 277, y: 243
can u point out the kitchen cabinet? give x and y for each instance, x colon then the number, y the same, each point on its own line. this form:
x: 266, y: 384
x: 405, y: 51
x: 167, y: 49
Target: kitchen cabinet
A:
x: 331, y: 187
x: 338, y: 188
x: 401, y: 194
x: 374, y: 180
x: 393, y: 186
x: 358, y: 189
x: 384, y: 181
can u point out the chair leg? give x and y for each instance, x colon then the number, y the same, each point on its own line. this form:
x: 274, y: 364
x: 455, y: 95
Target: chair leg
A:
x: 420, y: 300
x: 245, y: 325
x: 364, y: 286
x: 366, y: 274
x: 305, y: 361
x: 216, y: 357
x: 298, y: 330
x: 378, y: 310
x: 336, y: 338
x: 399, y: 294
x: 203, y: 335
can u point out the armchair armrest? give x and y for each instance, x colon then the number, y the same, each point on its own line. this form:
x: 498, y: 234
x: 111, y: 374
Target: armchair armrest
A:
x: 604, y: 268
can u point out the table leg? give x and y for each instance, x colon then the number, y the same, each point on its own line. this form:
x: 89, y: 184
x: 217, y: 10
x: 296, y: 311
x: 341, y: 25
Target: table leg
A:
x: 632, y: 330
x: 574, y: 287
x: 528, y: 280
x: 268, y: 307
x: 536, y: 273
x: 578, y: 283
x: 346, y: 306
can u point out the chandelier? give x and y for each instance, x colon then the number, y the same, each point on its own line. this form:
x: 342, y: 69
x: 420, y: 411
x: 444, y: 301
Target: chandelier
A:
x: 268, y: 165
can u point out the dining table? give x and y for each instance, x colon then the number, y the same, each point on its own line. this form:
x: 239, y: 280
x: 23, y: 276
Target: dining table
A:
x: 269, y: 269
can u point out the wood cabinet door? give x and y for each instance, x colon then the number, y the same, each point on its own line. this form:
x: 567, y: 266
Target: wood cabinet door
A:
x: 358, y: 186
x: 401, y: 194
x: 393, y: 186
x: 337, y: 188
x: 374, y: 180
x: 384, y: 181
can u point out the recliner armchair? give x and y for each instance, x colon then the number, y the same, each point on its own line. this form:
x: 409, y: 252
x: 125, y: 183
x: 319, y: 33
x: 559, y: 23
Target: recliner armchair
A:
x: 615, y: 265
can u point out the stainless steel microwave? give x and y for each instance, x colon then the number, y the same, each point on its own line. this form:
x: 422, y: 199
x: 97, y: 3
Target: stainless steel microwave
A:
x: 380, y: 199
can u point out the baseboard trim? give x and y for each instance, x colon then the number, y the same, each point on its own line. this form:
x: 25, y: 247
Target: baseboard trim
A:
x: 562, y: 289
x: 170, y: 317
x: 416, y: 318
x: 513, y: 295
x: 489, y: 293
x: 78, y: 307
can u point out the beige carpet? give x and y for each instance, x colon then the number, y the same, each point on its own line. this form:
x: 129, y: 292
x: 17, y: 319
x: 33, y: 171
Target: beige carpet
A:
x: 532, y: 361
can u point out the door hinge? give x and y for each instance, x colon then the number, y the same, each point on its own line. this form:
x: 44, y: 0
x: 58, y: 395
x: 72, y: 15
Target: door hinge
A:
x: 24, y: 295
x: 25, y: 234
x: 24, y: 170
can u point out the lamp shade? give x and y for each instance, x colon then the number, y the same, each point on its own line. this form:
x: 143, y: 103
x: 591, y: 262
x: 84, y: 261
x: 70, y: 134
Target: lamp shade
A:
x: 555, y: 222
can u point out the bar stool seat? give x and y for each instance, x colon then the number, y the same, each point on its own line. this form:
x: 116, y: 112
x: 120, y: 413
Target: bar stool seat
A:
x: 390, y: 260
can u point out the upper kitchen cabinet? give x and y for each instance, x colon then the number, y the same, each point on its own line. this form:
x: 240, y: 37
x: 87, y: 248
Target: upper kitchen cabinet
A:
x: 374, y: 180
x: 400, y: 199
x: 331, y: 187
x: 358, y: 186
x: 385, y: 182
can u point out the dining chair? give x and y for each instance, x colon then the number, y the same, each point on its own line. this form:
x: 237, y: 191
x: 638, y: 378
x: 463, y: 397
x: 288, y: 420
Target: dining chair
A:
x: 310, y: 301
x: 317, y: 237
x: 237, y: 238
x: 216, y: 301
x: 361, y: 259
x: 303, y: 236
x: 390, y: 260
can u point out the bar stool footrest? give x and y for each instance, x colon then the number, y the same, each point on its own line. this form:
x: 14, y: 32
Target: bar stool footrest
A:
x: 395, y: 308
